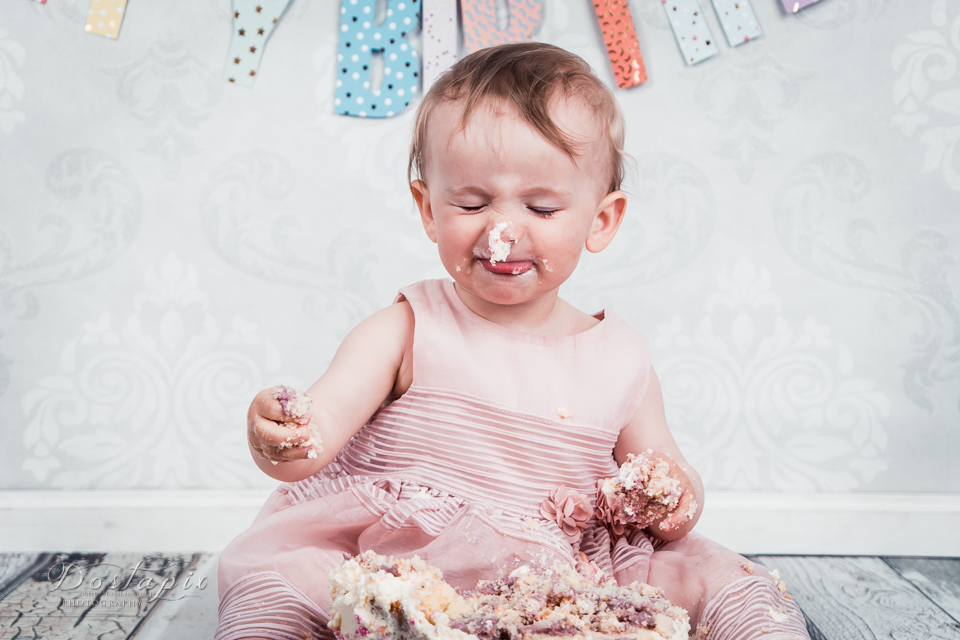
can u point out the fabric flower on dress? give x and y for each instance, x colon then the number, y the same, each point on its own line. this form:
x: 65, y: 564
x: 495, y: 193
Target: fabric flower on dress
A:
x: 569, y: 509
x: 608, y: 511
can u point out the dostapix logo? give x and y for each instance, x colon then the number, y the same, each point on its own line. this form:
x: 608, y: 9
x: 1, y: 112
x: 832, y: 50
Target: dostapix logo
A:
x: 70, y: 576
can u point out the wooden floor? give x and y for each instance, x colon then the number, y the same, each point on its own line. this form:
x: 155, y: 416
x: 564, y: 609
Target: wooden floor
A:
x: 117, y: 596
x: 854, y: 598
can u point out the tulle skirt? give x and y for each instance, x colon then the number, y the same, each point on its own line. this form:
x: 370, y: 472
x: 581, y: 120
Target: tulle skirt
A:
x: 273, y: 578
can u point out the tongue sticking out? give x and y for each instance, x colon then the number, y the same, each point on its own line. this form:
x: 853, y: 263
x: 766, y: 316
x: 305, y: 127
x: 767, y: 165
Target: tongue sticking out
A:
x: 511, y: 268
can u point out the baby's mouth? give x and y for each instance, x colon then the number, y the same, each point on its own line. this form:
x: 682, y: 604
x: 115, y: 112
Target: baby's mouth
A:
x: 507, y: 268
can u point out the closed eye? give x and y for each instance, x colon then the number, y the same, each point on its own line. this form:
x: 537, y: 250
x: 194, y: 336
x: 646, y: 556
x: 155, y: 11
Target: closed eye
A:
x: 543, y: 213
x: 469, y: 209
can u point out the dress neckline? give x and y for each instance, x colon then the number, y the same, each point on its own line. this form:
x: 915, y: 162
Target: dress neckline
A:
x: 604, y: 317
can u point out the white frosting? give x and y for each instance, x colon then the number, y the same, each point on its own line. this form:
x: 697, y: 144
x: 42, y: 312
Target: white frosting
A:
x: 301, y: 405
x: 777, y: 616
x: 610, y: 487
x: 369, y: 601
x: 653, y: 476
x: 499, y: 248
x: 383, y: 598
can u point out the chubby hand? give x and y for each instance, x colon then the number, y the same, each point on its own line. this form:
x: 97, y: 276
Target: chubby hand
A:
x: 278, y: 436
x: 687, y: 506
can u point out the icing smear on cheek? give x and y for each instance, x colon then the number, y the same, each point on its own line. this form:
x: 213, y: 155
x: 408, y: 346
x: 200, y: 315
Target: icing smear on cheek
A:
x: 499, y: 248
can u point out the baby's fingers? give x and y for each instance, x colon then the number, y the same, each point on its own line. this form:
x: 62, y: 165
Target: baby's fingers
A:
x: 268, y: 433
x: 686, y: 509
x: 286, y: 454
x: 266, y: 406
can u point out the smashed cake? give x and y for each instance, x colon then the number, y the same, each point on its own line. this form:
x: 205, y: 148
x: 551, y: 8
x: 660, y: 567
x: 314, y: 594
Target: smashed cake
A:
x: 378, y: 598
x: 295, y: 405
x: 641, y: 493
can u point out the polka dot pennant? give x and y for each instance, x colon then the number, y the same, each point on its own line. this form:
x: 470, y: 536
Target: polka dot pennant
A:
x: 691, y: 30
x: 357, y: 92
x: 793, y: 6
x: 738, y: 20
x: 440, y: 35
x: 480, y: 29
x: 105, y: 17
x: 620, y: 36
x: 253, y: 22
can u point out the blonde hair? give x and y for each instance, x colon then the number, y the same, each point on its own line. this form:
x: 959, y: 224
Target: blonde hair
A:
x: 526, y: 76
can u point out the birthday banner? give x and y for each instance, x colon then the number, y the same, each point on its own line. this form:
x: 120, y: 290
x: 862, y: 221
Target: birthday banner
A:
x: 480, y: 28
x: 360, y: 40
x: 379, y: 70
x: 738, y: 21
x: 620, y: 36
x: 105, y: 17
x: 440, y: 35
x: 253, y: 22
x: 794, y: 5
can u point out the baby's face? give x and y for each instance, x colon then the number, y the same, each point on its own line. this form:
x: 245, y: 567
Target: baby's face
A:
x: 499, y: 187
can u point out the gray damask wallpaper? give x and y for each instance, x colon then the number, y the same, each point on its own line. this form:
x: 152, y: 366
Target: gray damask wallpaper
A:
x: 171, y: 243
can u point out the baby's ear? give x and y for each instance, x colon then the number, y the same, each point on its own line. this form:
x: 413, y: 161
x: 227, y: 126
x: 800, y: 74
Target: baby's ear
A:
x: 422, y: 196
x: 607, y: 220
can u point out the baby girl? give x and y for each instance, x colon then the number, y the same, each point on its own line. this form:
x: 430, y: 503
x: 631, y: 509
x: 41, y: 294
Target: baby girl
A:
x: 471, y: 421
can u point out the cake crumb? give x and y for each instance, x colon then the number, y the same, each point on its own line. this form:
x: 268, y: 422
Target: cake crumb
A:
x: 748, y: 567
x: 530, y: 524
x: 564, y: 413
x: 777, y: 616
x: 781, y: 585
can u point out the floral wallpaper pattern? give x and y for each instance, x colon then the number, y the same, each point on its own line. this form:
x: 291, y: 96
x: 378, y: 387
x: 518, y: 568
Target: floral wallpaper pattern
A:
x: 171, y: 243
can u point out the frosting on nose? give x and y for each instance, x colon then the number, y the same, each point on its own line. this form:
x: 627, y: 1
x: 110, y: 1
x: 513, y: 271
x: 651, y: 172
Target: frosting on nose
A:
x: 499, y: 248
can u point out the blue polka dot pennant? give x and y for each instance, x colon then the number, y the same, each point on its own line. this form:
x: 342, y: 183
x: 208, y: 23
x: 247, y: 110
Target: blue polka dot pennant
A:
x: 361, y: 38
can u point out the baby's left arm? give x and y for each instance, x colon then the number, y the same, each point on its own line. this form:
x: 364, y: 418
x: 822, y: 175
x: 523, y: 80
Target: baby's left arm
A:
x: 648, y: 430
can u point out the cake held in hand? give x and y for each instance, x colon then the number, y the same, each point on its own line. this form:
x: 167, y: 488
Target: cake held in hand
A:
x: 379, y: 598
x: 295, y: 405
x: 641, y: 493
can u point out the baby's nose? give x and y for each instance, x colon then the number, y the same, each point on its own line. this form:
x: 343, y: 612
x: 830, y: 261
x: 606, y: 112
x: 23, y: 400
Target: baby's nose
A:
x: 499, y: 241
x: 506, y: 229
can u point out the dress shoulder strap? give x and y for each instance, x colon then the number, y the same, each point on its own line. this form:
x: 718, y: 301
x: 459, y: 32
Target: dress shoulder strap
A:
x: 435, y: 333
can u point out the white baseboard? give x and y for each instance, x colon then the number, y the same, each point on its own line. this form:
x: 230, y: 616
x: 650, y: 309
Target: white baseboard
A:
x: 751, y: 523
x: 870, y: 524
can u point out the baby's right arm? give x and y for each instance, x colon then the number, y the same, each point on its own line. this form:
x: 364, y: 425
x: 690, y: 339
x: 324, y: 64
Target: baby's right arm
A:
x: 363, y: 374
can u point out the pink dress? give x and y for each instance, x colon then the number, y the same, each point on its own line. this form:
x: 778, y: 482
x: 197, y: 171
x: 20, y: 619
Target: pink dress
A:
x: 456, y: 469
